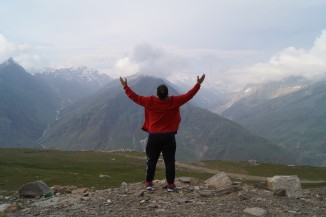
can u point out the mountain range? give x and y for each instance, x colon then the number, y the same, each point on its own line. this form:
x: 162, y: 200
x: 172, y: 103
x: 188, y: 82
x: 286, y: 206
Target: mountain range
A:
x: 82, y: 109
x: 105, y: 119
x: 29, y: 103
x: 109, y: 120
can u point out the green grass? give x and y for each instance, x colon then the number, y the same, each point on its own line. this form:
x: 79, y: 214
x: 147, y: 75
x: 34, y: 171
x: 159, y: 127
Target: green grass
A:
x: 19, y: 166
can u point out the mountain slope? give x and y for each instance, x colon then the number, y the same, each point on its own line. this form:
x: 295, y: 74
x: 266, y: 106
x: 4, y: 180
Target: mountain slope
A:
x: 296, y: 121
x: 109, y: 120
x: 27, y: 106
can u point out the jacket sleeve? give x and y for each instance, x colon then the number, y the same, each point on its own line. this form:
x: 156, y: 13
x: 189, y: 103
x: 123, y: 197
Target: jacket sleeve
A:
x: 182, y: 99
x: 140, y: 100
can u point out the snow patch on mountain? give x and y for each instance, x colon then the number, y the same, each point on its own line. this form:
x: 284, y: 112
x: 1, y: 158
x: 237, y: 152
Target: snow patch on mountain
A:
x: 81, y: 74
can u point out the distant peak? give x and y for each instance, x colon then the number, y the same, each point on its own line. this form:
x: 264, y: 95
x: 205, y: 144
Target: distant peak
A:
x: 9, y: 61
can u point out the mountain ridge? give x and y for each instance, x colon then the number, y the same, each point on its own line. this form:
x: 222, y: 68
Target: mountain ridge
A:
x: 113, y: 121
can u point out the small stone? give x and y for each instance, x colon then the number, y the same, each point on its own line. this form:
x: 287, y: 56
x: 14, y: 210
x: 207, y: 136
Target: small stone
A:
x: 206, y: 193
x: 139, y: 193
x: 109, y: 201
x: 244, y: 196
x: 256, y: 211
x: 185, y: 179
x: 104, y: 176
x: 85, y: 198
x: 3, y: 207
x: 183, y: 200
x: 12, y: 208
x: 152, y: 206
x: 237, y: 183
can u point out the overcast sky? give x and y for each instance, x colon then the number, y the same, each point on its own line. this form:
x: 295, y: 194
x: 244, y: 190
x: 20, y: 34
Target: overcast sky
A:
x: 235, y: 42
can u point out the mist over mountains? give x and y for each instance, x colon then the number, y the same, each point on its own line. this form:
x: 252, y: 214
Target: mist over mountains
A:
x: 81, y: 109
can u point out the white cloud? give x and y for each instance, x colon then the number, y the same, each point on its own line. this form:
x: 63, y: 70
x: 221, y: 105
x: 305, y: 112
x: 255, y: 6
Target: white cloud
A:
x: 125, y: 67
x: 291, y: 61
x: 28, y: 61
x: 8, y: 49
x: 151, y: 60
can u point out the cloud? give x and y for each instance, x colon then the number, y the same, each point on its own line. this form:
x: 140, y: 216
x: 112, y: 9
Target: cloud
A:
x: 8, y: 49
x: 291, y: 61
x: 20, y: 52
x: 125, y: 67
x: 151, y: 60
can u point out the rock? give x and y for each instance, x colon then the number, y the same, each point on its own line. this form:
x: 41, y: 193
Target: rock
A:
x: 255, y: 211
x: 253, y: 163
x: 291, y: 184
x: 34, y: 189
x: 185, y: 179
x: 3, y: 207
x: 220, y: 181
x: 12, y: 208
x: 46, y: 203
x: 206, y: 193
x: 80, y: 191
x: 104, y: 176
x: 280, y: 192
x: 183, y: 200
x: 207, y: 201
x: 152, y: 206
x: 244, y: 196
x: 139, y: 193
x: 63, y: 189
x: 261, y: 185
x: 228, y: 190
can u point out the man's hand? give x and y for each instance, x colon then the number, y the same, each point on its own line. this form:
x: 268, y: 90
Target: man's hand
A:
x: 201, y: 79
x: 123, y: 82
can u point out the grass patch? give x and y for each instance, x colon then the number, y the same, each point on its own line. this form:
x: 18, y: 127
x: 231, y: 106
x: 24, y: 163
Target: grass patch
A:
x: 19, y: 166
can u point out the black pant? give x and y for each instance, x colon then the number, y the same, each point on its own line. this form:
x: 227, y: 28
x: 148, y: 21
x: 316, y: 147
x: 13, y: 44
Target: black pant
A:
x: 157, y: 143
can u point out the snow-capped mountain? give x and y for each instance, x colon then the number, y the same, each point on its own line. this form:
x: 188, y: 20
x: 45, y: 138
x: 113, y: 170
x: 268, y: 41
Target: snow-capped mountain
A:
x: 81, y: 74
x: 73, y: 84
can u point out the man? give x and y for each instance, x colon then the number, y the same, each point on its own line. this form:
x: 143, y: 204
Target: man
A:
x: 162, y: 119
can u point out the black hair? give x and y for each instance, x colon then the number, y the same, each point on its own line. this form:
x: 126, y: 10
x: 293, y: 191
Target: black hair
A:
x: 162, y: 91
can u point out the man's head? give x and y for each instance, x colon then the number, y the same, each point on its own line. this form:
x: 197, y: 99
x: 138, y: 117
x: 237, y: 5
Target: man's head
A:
x: 162, y: 91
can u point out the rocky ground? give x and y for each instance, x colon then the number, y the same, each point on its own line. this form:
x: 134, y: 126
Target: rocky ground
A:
x: 193, y: 198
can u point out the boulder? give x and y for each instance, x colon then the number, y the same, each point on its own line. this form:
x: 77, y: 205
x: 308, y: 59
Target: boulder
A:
x: 291, y: 185
x: 219, y: 181
x: 34, y: 189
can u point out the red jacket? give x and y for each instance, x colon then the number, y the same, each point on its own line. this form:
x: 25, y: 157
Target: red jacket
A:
x: 161, y: 115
